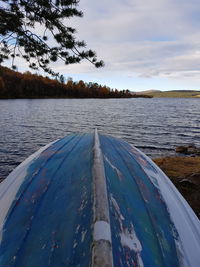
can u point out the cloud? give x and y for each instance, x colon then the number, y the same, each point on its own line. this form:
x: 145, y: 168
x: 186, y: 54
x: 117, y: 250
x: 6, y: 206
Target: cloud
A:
x: 142, y: 37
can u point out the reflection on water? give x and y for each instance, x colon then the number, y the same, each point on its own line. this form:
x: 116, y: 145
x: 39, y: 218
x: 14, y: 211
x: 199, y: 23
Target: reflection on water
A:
x: 155, y: 126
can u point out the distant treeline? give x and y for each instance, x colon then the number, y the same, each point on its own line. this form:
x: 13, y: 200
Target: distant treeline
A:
x: 27, y: 85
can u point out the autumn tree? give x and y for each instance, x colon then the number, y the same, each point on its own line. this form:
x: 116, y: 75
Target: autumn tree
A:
x: 19, y: 20
x: 2, y: 85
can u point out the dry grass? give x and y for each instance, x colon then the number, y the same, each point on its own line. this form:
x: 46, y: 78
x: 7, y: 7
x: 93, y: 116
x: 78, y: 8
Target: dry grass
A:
x: 184, y: 172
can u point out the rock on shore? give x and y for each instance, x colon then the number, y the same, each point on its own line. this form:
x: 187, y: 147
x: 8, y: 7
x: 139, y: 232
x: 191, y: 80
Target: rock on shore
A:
x: 190, y: 149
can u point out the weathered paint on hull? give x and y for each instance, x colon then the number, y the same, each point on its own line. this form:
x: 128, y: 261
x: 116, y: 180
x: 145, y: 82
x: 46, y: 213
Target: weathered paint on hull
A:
x: 94, y: 200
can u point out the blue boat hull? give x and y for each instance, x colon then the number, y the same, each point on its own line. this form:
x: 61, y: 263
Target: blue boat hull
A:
x: 94, y: 200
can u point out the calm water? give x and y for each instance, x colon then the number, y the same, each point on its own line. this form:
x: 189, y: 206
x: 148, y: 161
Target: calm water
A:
x: 155, y: 126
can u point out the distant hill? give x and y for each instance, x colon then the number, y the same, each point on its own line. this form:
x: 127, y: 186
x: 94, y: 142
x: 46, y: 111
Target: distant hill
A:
x: 151, y: 91
x: 173, y: 93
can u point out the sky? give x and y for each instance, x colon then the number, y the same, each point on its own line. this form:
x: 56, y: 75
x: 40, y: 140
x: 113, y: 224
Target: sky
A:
x: 145, y: 44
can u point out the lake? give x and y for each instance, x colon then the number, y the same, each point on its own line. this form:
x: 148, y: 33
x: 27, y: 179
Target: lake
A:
x: 156, y: 125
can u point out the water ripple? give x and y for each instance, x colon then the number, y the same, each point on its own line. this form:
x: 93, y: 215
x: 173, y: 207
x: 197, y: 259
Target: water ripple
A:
x: 155, y: 126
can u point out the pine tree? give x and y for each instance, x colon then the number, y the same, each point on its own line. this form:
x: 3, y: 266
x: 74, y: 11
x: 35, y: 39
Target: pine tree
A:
x: 19, y: 20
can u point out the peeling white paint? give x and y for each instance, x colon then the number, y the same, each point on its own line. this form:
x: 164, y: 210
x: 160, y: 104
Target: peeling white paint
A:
x: 183, y: 217
x: 75, y: 244
x: 10, y: 186
x: 139, y: 261
x: 82, y: 206
x: 114, y: 202
x: 44, y: 246
x: 130, y: 240
x: 77, y: 228
x: 83, y: 235
x: 119, y: 174
x: 102, y: 231
x: 128, y: 237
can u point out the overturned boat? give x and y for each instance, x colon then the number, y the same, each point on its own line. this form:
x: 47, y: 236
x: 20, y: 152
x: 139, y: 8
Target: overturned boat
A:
x: 94, y: 200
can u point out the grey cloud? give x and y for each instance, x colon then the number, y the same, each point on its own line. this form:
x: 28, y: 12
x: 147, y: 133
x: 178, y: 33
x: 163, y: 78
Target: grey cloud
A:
x: 146, y: 38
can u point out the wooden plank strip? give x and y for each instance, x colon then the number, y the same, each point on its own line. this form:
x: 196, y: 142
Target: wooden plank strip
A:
x: 102, y: 245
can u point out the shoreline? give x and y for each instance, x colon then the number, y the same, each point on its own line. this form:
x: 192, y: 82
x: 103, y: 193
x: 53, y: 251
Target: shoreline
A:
x: 184, y: 172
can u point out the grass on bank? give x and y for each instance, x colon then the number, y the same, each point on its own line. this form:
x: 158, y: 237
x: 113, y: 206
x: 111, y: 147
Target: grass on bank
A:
x: 175, y: 93
x: 184, y: 172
